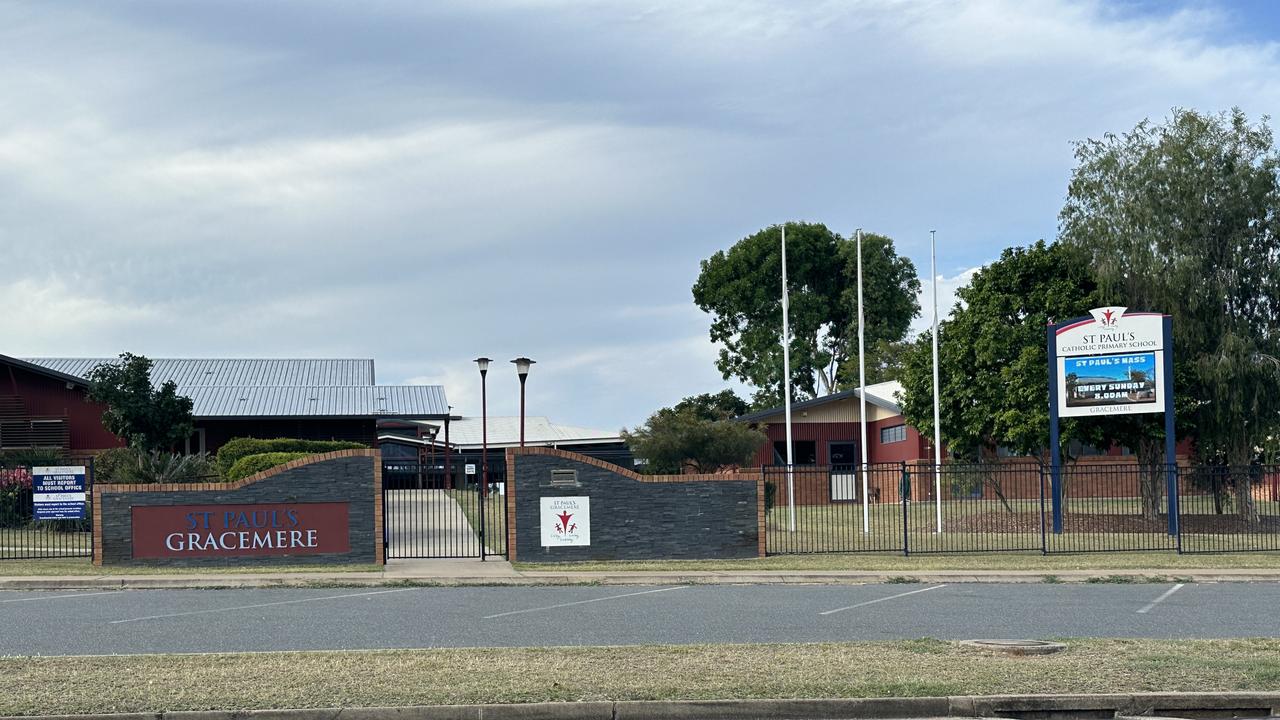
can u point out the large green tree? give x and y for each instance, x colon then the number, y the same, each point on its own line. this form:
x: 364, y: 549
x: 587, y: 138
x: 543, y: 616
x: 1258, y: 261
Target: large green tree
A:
x: 992, y: 359
x: 741, y: 289
x: 697, y: 434
x: 148, y: 418
x: 1184, y: 217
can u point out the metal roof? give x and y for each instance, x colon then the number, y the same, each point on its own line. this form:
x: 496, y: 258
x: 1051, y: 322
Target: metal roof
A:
x: 247, y: 387
x: 240, y: 372
x: 885, y: 395
x: 391, y: 401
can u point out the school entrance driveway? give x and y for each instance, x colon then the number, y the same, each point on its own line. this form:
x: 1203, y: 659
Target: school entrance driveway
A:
x: 162, y: 621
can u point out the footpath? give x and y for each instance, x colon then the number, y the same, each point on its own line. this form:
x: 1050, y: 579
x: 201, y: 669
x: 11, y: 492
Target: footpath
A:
x: 499, y: 572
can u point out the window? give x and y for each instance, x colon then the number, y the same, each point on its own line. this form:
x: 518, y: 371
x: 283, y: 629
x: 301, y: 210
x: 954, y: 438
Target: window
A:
x: 896, y: 433
x: 805, y: 452
x: 844, y: 453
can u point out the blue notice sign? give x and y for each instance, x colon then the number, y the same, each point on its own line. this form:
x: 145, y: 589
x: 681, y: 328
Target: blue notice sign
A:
x: 58, y: 492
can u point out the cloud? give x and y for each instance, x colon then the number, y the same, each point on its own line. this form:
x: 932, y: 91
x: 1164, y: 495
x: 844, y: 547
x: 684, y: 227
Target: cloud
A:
x: 423, y: 183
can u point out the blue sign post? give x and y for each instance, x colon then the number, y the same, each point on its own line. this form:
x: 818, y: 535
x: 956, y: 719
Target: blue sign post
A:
x: 58, y: 493
x: 1113, y: 362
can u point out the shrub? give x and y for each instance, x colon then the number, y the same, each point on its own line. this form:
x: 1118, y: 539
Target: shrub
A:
x: 237, y: 448
x: 770, y: 495
x: 32, y: 457
x: 156, y: 467
x: 116, y: 465
x: 253, y: 464
x: 127, y: 466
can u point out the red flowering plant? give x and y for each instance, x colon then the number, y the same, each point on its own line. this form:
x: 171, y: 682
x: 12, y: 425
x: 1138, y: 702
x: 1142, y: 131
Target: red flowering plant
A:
x: 15, y: 496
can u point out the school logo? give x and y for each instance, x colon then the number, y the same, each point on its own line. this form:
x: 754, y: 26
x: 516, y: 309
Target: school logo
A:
x: 566, y: 521
x: 1107, y: 317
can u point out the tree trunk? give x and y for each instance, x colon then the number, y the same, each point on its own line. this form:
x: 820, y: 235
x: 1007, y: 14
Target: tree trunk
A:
x: 1242, y: 483
x: 1151, y: 464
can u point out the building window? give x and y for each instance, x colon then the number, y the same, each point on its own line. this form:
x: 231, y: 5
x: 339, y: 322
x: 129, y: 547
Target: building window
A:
x: 844, y: 453
x: 896, y: 433
x: 805, y: 452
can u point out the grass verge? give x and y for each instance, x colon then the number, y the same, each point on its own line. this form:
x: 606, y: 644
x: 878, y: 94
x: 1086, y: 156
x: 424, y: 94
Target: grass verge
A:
x: 73, y: 685
x: 84, y: 566
x: 898, y: 563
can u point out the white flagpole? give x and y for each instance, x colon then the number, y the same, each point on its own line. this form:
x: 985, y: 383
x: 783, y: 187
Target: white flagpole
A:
x: 862, y: 394
x: 786, y: 384
x: 937, y: 423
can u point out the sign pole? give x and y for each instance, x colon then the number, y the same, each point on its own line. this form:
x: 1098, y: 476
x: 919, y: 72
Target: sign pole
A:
x: 1170, y: 439
x: 1055, y: 451
x: 786, y: 388
x: 862, y: 395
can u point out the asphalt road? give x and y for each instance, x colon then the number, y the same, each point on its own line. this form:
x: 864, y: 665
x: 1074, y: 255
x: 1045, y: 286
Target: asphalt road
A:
x: 158, y: 621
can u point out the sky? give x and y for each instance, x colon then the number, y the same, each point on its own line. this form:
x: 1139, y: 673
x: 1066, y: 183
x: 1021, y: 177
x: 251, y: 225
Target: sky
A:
x: 426, y: 183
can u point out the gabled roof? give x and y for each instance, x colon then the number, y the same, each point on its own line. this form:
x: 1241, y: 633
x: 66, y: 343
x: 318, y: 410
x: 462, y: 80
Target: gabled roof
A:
x: 883, y: 395
x: 237, y: 372
x: 42, y: 370
x: 272, y: 387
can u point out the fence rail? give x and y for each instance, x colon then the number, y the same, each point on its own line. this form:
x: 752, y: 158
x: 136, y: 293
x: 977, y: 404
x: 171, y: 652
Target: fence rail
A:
x: 914, y: 508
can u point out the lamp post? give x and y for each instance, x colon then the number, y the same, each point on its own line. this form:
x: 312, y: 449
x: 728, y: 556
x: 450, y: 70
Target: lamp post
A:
x: 522, y: 369
x: 483, y: 363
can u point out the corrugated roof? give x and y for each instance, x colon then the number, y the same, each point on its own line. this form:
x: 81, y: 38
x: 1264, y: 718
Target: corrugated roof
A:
x: 390, y: 401
x: 248, y: 387
x: 239, y: 372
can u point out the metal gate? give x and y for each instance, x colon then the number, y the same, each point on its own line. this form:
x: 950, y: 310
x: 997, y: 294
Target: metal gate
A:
x: 426, y: 515
x: 22, y: 537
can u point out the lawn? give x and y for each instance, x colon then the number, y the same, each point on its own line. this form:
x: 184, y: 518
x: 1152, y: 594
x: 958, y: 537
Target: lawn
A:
x: 914, y: 668
x: 42, y: 541
x: 495, y: 517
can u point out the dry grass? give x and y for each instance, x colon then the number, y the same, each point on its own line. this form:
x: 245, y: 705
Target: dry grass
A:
x: 69, y: 685
x: 898, y: 563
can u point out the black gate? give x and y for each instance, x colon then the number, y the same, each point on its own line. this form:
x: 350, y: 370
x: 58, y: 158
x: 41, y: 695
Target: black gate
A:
x: 427, y: 514
x: 22, y: 537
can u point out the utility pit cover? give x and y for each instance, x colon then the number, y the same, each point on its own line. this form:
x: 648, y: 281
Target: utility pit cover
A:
x: 1017, y: 647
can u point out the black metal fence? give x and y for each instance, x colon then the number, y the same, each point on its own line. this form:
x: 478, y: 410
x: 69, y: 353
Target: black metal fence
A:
x: 22, y: 537
x: 916, y: 508
x: 426, y: 515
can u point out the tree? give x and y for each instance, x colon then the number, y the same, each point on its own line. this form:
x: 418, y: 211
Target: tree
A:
x: 147, y: 418
x: 1182, y: 217
x: 741, y: 289
x: 697, y: 434
x: 991, y: 353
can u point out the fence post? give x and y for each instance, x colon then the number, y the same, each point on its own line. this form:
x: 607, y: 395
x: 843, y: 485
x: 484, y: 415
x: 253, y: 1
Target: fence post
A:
x: 904, y: 491
x: 1044, y: 537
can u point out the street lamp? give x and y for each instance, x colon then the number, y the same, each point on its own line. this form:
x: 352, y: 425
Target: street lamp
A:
x: 522, y: 369
x: 483, y: 364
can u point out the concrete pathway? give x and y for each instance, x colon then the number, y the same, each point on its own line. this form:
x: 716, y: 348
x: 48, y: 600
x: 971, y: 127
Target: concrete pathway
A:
x: 428, y: 523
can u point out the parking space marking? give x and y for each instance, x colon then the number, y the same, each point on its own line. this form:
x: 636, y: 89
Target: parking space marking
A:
x: 259, y: 605
x: 61, y: 597
x: 1148, y: 607
x: 880, y: 600
x: 583, y: 602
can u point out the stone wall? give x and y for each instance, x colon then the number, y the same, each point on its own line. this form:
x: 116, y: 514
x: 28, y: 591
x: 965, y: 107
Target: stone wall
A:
x: 633, y: 516
x: 346, y: 481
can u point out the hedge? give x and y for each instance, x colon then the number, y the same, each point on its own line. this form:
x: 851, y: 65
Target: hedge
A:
x: 237, y: 448
x: 253, y: 464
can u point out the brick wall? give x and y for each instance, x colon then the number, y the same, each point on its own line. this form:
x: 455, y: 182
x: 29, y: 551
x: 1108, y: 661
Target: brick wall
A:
x: 633, y: 516
x: 353, y: 477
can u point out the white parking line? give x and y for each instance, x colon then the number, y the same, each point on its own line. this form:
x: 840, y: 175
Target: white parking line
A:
x: 1147, y: 608
x: 583, y: 602
x: 260, y: 605
x: 60, y: 597
x: 880, y: 600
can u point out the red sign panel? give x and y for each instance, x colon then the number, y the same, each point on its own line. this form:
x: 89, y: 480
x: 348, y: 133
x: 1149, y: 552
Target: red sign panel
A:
x: 169, y: 531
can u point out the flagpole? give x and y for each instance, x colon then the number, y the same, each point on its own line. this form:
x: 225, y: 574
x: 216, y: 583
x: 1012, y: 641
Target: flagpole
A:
x: 937, y: 423
x: 786, y: 385
x: 862, y: 393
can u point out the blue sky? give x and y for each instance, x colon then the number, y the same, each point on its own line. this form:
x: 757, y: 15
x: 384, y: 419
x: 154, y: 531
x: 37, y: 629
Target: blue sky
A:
x: 423, y: 183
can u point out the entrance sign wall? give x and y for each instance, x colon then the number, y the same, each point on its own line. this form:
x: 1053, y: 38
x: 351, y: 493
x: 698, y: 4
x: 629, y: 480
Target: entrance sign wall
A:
x: 1114, y: 362
x: 324, y: 508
